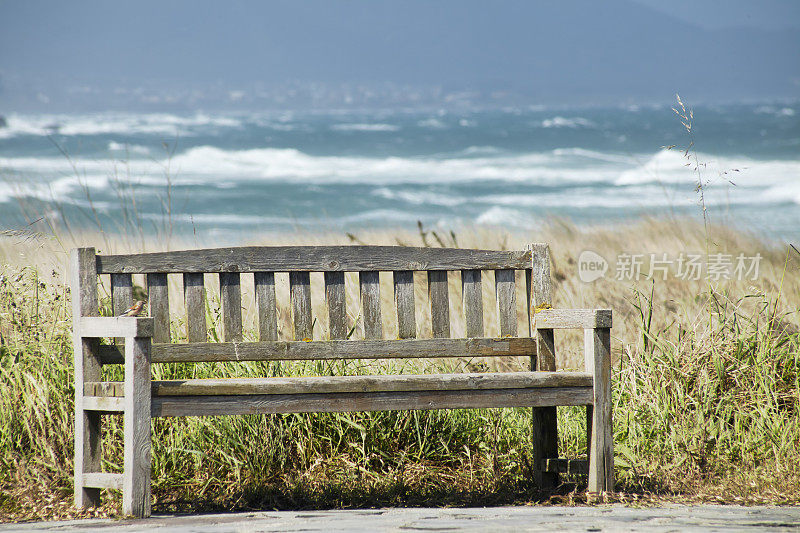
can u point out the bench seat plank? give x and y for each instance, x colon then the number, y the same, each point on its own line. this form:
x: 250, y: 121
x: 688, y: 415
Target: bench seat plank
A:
x: 327, y: 350
x: 342, y: 402
x: 337, y: 384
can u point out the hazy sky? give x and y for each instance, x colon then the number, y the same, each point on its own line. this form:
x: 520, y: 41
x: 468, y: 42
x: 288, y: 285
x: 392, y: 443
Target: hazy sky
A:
x: 56, y: 54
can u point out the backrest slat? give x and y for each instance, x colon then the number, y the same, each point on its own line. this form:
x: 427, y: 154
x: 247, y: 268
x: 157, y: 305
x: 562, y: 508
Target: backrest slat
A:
x: 121, y: 293
x: 473, y: 302
x: 440, y: 303
x: 158, y: 303
x: 194, y: 294
x: 404, y: 300
x: 313, y: 259
x: 337, y: 305
x: 121, y: 297
x: 231, y: 300
x: 369, y: 283
x: 542, y: 296
x: 528, y: 309
x: 300, y: 290
x: 266, y: 305
x: 505, y: 287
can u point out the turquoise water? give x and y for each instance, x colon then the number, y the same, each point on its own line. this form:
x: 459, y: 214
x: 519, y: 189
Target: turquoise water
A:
x: 231, y: 174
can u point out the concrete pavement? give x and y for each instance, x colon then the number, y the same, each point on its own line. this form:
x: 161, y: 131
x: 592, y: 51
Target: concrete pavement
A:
x: 678, y: 518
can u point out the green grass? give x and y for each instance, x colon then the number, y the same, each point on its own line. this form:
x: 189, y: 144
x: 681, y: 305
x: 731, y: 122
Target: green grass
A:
x: 706, y: 400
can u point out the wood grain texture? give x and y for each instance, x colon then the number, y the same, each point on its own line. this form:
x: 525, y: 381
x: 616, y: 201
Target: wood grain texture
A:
x: 121, y: 297
x: 300, y: 291
x: 158, y: 303
x: 194, y: 294
x: 572, y: 318
x: 505, y: 288
x: 369, y: 283
x: 473, y: 302
x: 136, y: 428
x: 103, y: 480
x: 528, y: 301
x: 104, y: 404
x: 375, y: 383
x: 121, y: 293
x: 601, y: 449
x: 87, y: 367
x: 335, y: 297
x: 541, y: 298
x: 266, y: 305
x: 331, y: 350
x: 545, y: 420
x: 165, y: 406
x: 312, y: 259
x: 109, y: 390
x: 123, y: 326
x: 589, y: 418
x: 404, y: 302
x: 231, y: 301
x: 440, y: 304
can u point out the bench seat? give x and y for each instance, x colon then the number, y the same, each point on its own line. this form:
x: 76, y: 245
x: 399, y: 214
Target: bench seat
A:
x: 198, y: 397
x: 335, y: 384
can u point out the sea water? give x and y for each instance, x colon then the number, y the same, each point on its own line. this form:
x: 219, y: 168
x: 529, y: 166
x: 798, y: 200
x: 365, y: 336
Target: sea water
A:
x: 231, y: 175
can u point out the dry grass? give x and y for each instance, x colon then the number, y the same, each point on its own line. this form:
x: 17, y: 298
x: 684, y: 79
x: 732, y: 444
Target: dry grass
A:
x: 706, y: 388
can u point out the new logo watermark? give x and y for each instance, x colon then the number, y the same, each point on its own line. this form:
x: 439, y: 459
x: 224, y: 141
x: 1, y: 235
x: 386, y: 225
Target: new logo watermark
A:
x: 591, y: 266
x: 685, y: 266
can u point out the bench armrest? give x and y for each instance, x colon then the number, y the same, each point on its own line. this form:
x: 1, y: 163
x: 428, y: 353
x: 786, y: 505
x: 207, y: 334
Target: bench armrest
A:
x: 572, y: 318
x: 124, y: 326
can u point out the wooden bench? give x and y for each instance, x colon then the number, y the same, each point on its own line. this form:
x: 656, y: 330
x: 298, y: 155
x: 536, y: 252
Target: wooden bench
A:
x: 147, y: 341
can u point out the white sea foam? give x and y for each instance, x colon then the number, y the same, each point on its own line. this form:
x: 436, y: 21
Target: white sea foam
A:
x: 563, y: 122
x: 64, y: 189
x: 504, y: 216
x: 772, y: 110
x: 208, y: 165
x: 421, y: 197
x: 480, y: 150
x: 783, y: 193
x: 291, y: 164
x: 432, y: 123
x: 113, y: 123
x: 114, y: 146
x: 672, y: 166
x: 365, y: 127
x: 568, y: 153
x: 219, y: 218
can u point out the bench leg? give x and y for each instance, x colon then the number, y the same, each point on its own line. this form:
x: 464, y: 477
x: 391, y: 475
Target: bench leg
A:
x: 136, y: 475
x: 545, y: 419
x: 545, y: 445
x: 601, y: 443
x: 87, y: 455
x: 87, y: 423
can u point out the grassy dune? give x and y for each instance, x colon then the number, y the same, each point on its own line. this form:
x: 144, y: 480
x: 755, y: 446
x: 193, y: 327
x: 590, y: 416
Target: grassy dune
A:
x: 706, y: 390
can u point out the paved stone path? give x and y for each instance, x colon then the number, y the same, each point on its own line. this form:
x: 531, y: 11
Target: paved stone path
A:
x: 678, y: 518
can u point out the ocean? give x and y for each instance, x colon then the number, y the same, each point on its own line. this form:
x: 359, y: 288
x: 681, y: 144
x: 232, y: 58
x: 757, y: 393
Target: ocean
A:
x: 232, y: 175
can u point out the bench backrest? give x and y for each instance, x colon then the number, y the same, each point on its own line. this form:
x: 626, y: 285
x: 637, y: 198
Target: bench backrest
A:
x: 333, y: 261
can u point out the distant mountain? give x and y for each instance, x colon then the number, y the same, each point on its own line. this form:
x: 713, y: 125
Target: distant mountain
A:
x: 570, y: 51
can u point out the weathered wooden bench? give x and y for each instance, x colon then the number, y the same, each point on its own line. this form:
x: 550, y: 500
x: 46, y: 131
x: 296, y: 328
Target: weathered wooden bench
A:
x: 147, y: 341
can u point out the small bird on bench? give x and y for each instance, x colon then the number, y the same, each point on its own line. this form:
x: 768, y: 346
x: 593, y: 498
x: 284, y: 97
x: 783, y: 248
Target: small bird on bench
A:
x: 135, y: 309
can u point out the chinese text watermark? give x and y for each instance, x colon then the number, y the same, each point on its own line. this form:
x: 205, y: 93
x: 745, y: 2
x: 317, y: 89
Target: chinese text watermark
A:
x: 660, y: 266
